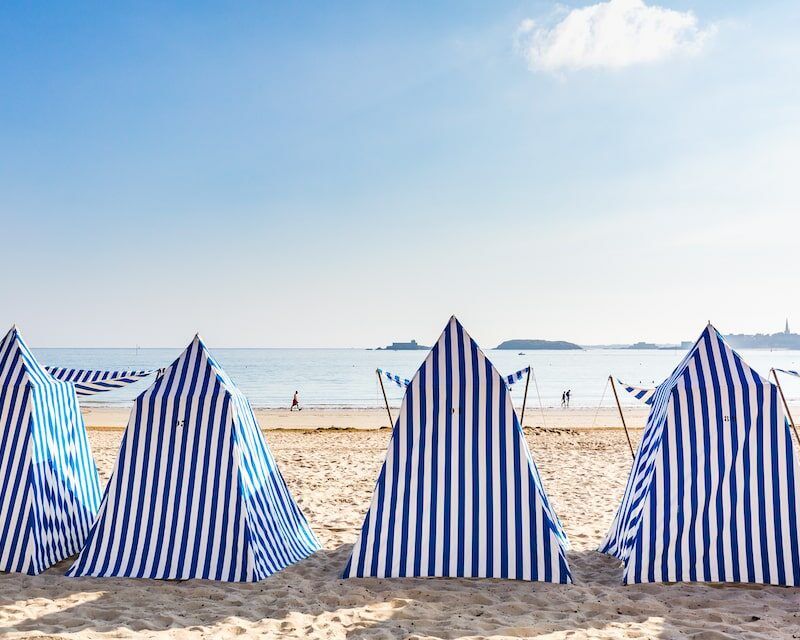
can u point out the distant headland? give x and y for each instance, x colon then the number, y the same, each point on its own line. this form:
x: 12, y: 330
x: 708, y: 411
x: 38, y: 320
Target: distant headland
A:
x: 404, y: 346
x: 552, y: 345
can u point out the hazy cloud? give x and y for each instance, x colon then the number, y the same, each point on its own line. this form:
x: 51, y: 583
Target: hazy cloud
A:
x: 611, y: 35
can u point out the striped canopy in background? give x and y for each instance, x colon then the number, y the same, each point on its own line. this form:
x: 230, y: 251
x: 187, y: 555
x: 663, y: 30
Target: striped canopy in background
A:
x: 391, y: 377
x: 517, y: 376
x: 89, y: 382
x: 459, y: 493
x: 791, y: 372
x: 713, y: 495
x: 195, y: 491
x: 645, y: 394
x: 404, y: 382
x: 49, y: 487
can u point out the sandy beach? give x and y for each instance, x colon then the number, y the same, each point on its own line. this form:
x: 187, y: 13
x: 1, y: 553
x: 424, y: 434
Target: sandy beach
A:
x: 332, y: 474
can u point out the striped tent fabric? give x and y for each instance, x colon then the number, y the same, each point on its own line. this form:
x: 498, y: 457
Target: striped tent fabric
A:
x: 713, y: 495
x: 49, y: 487
x: 791, y: 372
x: 391, y: 377
x: 195, y: 491
x: 517, y: 376
x: 459, y: 494
x: 89, y: 382
x: 645, y: 394
x: 404, y: 382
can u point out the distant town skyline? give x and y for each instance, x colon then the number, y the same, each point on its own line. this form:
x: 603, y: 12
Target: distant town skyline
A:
x: 414, y: 344
x: 311, y: 175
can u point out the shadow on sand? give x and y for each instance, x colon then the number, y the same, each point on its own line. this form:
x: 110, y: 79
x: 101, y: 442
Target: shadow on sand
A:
x: 310, y: 597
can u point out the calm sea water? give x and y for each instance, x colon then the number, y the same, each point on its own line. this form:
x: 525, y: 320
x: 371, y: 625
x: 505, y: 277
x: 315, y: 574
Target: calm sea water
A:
x: 346, y: 377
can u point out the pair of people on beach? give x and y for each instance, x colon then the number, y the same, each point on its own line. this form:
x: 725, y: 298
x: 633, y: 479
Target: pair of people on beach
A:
x: 565, y: 398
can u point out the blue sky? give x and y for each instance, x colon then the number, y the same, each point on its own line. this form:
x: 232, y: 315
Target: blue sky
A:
x: 307, y: 174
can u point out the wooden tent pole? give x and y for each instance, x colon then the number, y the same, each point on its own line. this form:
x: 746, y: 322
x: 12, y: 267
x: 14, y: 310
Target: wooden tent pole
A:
x: 385, y: 399
x: 786, y: 406
x: 525, y: 398
x: 621, y: 415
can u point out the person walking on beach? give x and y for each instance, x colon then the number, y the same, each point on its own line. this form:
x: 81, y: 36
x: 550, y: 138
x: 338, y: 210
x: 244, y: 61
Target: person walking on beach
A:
x: 296, y: 402
x: 568, y: 392
x: 563, y: 399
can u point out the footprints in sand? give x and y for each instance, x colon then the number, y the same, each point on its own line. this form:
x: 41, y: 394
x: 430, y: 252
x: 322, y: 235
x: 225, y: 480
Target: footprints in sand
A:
x: 333, y: 474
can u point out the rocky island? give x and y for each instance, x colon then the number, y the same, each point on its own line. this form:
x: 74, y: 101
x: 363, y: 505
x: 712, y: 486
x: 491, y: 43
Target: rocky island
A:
x: 652, y: 346
x: 540, y: 345
x: 404, y: 346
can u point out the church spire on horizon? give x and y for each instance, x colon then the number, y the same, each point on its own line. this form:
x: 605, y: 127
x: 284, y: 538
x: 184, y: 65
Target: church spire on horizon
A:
x: 786, y: 330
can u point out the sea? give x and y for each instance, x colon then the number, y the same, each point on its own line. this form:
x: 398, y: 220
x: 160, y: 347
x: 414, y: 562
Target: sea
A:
x: 345, y: 378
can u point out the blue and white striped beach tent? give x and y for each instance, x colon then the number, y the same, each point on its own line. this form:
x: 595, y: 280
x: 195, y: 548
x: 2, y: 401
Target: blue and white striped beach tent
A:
x: 49, y: 488
x: 713, y: 495
x: 195, y: 491
x: 459, y: 494
x: 645, y: 394
x: 89, y: 382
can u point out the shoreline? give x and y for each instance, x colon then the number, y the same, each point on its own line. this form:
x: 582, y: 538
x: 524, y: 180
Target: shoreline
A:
x: 115, y: 418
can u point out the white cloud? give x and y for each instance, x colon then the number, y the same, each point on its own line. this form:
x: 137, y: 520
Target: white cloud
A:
x: 611, y: 35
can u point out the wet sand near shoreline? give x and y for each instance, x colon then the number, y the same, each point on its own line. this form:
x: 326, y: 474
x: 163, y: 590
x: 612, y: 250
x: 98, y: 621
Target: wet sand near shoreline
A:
x: 313, y: 418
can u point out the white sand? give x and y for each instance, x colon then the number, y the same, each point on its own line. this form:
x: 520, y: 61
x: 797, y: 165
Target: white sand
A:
x: 332, y: 474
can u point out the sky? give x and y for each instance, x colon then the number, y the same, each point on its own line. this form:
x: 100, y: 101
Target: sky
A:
x: 349, y: 174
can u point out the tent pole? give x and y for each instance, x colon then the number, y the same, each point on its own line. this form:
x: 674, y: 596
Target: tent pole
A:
x: 621, y: 415
x: 785, y: 405
x: 525, y: 398
x: 385, y: 399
